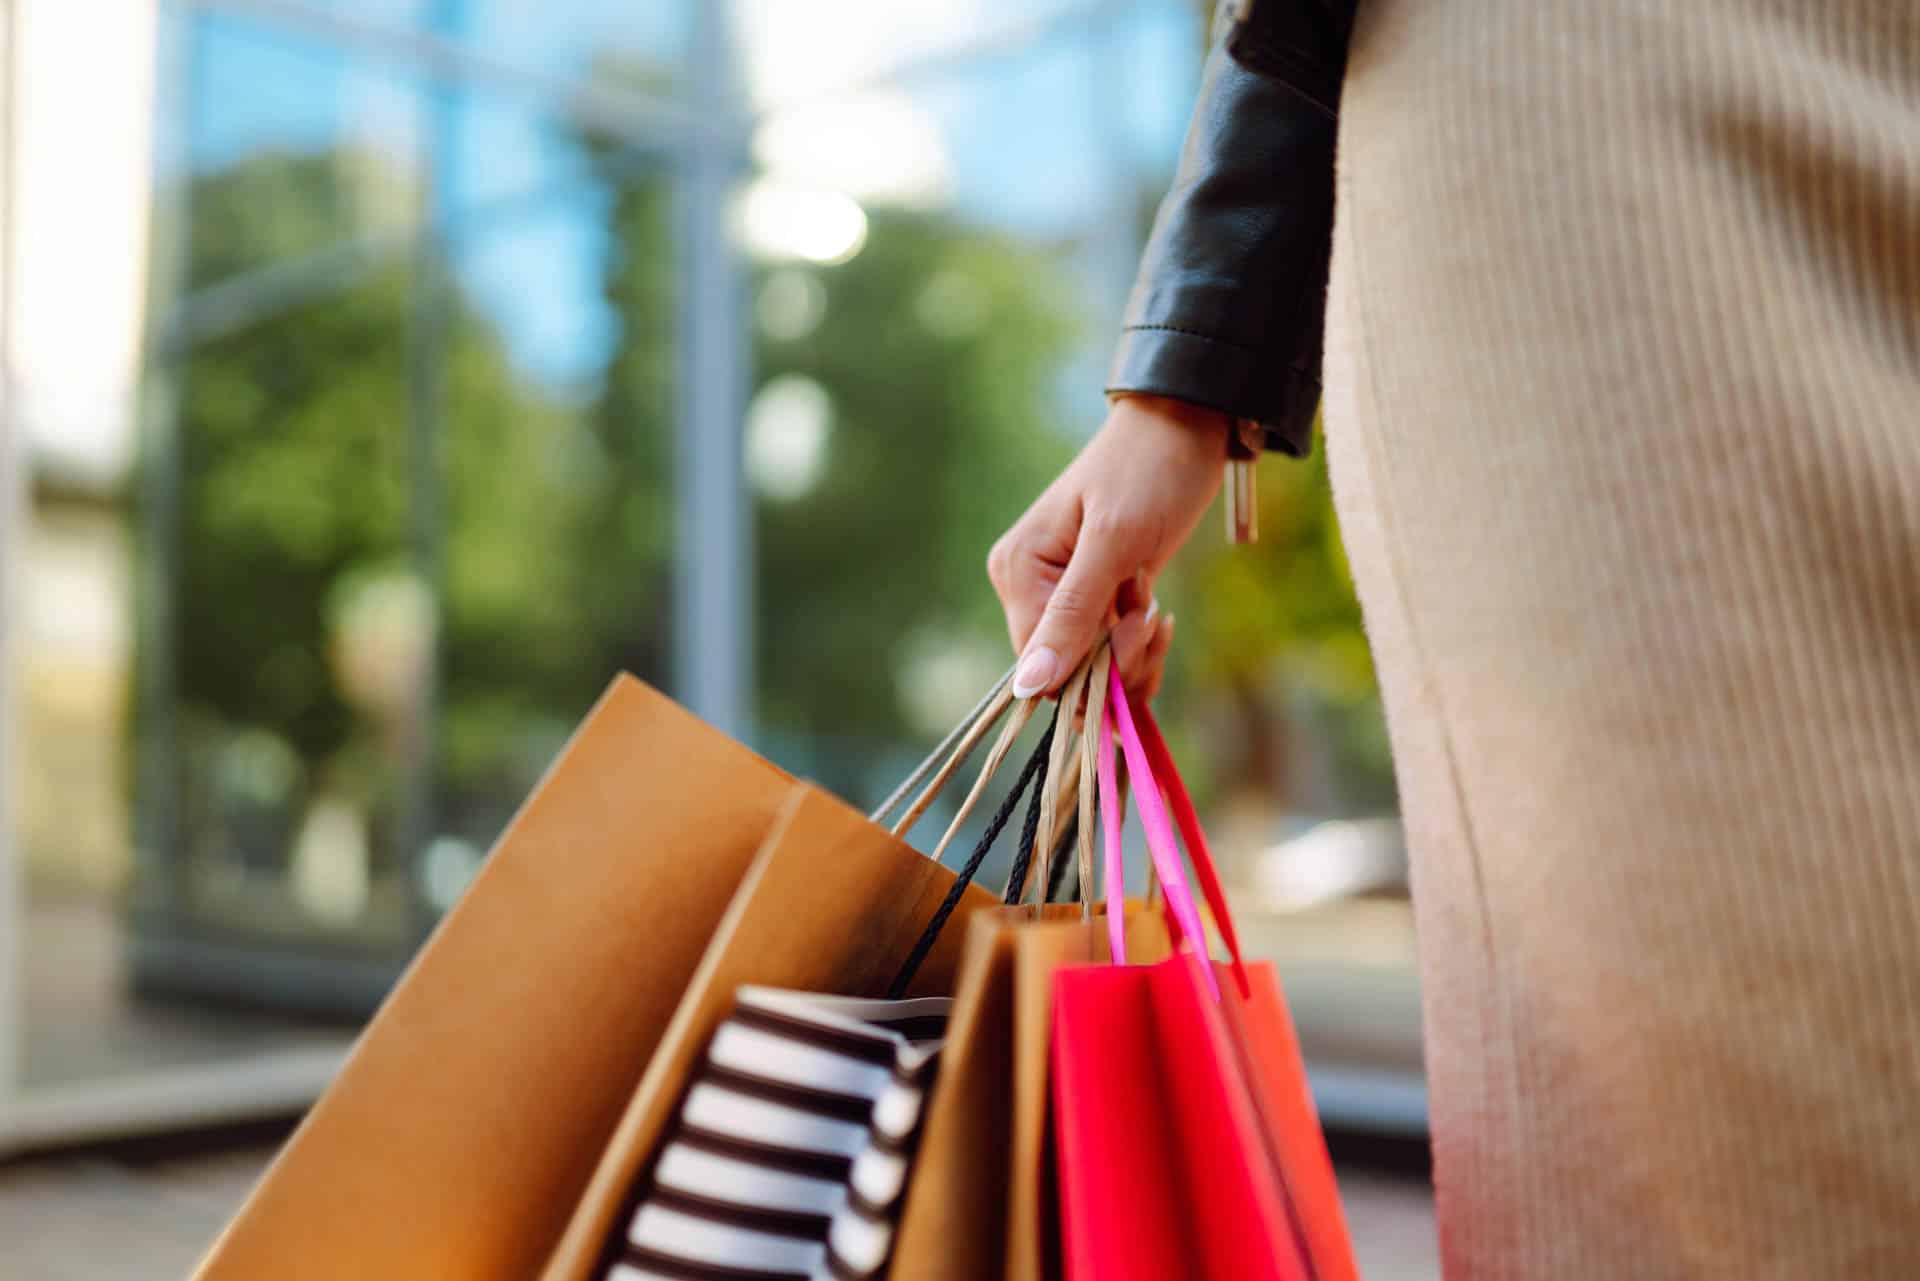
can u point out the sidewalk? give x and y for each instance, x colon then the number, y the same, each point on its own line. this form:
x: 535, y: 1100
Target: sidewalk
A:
x: 96, y: 1217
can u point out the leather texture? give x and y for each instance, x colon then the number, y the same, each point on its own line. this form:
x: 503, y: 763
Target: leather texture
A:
x: 1229, y: 305
x: 1303, y: 42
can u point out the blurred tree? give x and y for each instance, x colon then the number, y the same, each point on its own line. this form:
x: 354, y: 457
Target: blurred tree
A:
x: 938, y: 349
x: 301, y: 620
x: 925, y: 368
x: 1273, y: 632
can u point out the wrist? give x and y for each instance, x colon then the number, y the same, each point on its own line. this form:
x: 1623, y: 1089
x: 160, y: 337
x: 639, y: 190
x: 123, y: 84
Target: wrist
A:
x: 1183, y: 412
x: 1194, y: 429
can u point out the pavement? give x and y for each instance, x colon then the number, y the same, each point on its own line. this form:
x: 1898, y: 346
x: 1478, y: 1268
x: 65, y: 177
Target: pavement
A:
x: 130, y: 1215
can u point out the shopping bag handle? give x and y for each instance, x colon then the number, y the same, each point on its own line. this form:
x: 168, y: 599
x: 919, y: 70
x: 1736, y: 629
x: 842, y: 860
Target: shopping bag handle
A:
x: 1090, y: 741
x: 964, y: 878
x: 1050, y: 887
x: 1167, y: 775
x: 1113, y: 817
x: 1016, y: 887
x: 1058, y: 776
x: 948, y: 757
x: 1148, y: 782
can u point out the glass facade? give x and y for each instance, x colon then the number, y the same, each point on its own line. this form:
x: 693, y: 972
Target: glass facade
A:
x: 491, y: 349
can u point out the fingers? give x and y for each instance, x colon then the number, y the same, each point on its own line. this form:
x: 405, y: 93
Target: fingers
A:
x: 1132, y: 636
x: 1103, y: 558
x: 1122, y: 507
x: 1026, y: 564
x: 1156, y: 664
x: 1141, y: 640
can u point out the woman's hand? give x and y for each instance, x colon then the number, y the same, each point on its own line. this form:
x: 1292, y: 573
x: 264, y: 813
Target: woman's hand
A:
x: 1089, y: 548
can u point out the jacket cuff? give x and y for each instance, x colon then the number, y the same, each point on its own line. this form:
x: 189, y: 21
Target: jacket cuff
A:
x: 1181, y: 364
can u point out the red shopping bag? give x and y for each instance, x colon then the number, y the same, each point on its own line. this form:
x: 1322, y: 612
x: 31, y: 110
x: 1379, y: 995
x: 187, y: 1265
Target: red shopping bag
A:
x: 1187, y: 1143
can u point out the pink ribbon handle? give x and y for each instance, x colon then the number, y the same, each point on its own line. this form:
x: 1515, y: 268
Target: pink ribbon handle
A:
x: 1168, y: 776
x: 1160, y: 843
x: 1111, y: 821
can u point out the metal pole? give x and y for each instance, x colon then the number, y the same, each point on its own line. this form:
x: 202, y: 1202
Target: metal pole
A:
x: 13, y: 915
x: 713, y: 521
x: 162, y: 880
x: 426, y: 434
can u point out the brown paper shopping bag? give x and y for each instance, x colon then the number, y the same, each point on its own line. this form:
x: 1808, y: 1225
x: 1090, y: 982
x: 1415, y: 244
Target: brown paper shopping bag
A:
x: 459, y: 1137
x: 833, y: 904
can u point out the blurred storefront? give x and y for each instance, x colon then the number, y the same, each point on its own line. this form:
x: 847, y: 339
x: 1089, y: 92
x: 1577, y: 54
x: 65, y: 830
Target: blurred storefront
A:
x: 383, y: 375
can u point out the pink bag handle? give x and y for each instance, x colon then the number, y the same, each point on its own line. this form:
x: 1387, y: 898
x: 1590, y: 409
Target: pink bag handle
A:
x: 1167, y: 774
x: 1111, y: 820
x: 1160, y: 841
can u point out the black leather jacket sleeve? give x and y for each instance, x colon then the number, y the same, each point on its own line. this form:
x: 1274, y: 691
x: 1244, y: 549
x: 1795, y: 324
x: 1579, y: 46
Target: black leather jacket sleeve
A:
x: 1228, y: 308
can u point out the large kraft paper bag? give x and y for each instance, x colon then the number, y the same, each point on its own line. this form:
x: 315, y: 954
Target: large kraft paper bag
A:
x: 832, y: 904
x: 460, y: 1134
x: 979, y: 1207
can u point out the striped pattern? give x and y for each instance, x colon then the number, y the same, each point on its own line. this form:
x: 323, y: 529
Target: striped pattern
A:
x: 1623, y: 415
x: 790, y: 1156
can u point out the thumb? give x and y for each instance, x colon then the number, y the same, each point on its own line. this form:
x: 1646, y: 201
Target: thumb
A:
x: 1074, y: 614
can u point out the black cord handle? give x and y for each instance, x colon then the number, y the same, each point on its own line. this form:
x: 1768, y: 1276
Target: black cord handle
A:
x: 1029, y: 830
x: 1035, y: 764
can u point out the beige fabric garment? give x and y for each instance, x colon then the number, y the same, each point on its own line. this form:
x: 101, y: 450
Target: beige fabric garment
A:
x: 1623, y: 410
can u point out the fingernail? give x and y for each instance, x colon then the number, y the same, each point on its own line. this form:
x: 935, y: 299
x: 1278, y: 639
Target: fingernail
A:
x: 1153, y: 608
x: 1035, y: 672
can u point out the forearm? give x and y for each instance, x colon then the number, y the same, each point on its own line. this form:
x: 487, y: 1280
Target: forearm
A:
x: 1227, y: 308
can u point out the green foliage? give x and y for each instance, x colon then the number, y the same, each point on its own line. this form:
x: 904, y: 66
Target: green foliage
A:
x: 292, y: 464
x: 1277, y: 623
x: 299, y: 498
x: 937, y: 346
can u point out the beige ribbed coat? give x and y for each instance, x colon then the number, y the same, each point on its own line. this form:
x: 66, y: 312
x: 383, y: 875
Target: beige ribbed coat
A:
x: 1623, y: 407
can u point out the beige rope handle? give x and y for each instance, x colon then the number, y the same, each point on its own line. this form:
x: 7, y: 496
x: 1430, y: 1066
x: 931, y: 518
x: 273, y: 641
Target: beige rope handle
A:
x: 1057, y: 759
x: 1022, y: 713
x: 944, y: 754
x: 1069, y: 800
x: 976, y: 732
x: 1089, y: 755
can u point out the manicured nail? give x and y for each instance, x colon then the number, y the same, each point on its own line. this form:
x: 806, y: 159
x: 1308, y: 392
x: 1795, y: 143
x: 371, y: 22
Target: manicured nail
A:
x: 1153, y: 608
x: 1036, y: 672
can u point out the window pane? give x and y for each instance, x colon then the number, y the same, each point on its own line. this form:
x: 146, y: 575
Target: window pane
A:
x: 327, y: 144
x: 826, y: 48
x: 630, y: 46
x: 558, y: 519
x: 303, y: 627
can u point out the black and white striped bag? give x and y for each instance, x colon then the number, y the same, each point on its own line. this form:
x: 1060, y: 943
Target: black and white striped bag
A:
x: 790, y: 1157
